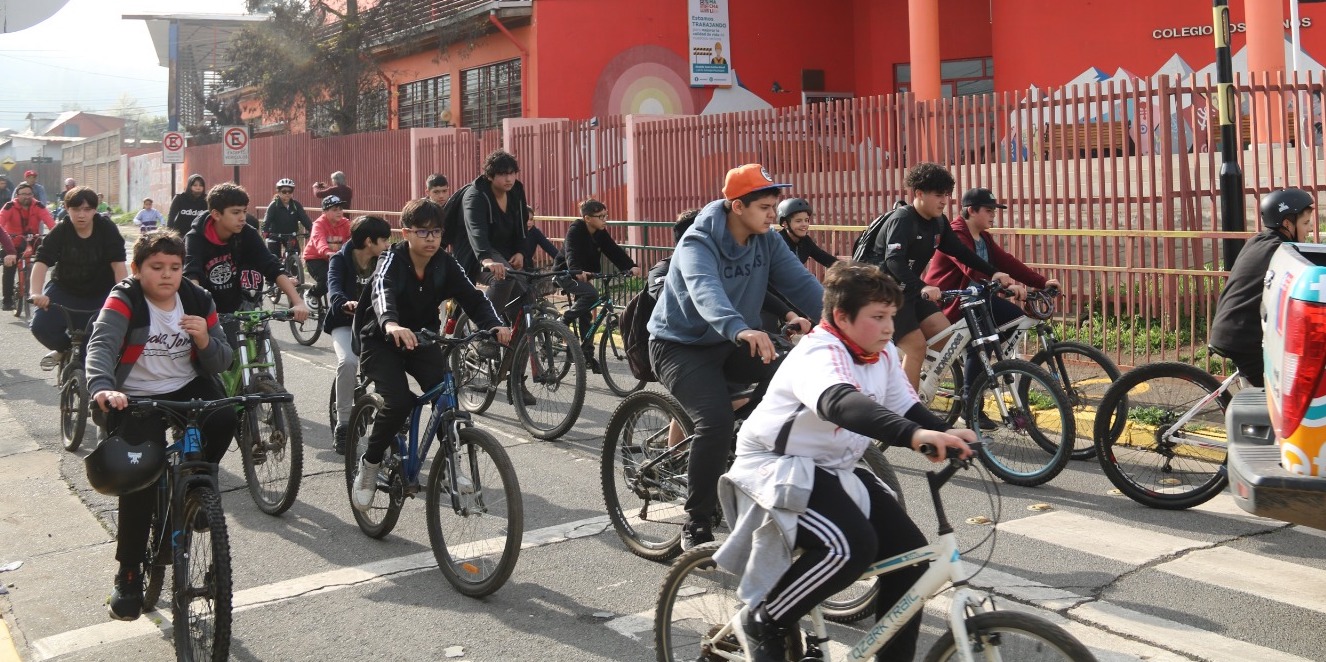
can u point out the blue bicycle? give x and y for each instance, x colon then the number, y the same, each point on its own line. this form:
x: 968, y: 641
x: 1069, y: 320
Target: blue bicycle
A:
x: 475, y: 513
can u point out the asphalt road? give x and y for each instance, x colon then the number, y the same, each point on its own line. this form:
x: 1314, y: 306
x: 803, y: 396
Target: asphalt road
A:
x: 1133, y: 583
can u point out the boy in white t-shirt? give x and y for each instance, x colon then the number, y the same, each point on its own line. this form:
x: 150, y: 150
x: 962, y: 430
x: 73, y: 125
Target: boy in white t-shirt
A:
x: 796, y: 466
x: 157, y: 335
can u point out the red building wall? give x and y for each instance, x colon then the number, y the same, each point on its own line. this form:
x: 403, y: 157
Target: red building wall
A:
x: 1033, y: 46
x: 882, y: 39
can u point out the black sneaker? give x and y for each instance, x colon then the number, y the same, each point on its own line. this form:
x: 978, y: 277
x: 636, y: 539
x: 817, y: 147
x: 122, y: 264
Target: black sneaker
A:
x: 342, y: 431
x: 695, y: 533
x: 986, y: 423
x: 7, y: 305
x: 126, y: 600
x: 768, y: 641
x: 592, y: 365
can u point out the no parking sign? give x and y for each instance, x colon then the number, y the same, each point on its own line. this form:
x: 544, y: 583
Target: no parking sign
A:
x: 172, y: 147
x: 235, y: 146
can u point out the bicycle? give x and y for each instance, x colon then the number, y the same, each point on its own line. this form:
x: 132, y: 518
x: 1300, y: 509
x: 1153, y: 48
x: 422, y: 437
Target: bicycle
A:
x: 544, y: 352
x: 187, y: 495
x: 1024, y: 401
x: 1160, y: 434
x: 290, y: 262
x: 1082, y: 371
x: 695, y: 618
x: 612, y: 354
x: 270, y: 439
x: 473, y: 477
x: 23, y: 272
x: 71, y: 379
x: 307, y: 332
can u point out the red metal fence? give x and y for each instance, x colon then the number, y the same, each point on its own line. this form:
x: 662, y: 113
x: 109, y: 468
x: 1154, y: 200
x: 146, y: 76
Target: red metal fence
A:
x: 1113, y: 188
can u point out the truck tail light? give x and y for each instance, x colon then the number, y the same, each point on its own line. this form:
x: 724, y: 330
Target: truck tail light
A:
x: 1304, y: 363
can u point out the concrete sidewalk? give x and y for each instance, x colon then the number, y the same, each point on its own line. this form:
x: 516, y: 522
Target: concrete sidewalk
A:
x: 45, y: 525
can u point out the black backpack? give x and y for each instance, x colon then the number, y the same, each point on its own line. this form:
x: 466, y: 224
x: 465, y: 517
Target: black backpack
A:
x: 864, y: 250
x: 453, y: 218
x: 634, y: 321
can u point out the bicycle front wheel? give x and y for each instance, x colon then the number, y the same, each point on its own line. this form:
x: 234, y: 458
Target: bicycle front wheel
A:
x: 644, y: 473
x: 546, y: 395
x: 1034, y: 426
x: 307, y: 332
x: 390, y: 498
x: 158, y: 556
x: 73, y: 409
x: 476, y: 531
x: 1012, y: 635
x: 1146, y: 452
x: 1084, y: 373
x: 202, y: 580
x: 274, y: 455
x: 612, y: 362
x: 476, y: 377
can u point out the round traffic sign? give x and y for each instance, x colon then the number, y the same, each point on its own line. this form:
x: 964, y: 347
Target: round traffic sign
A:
x: 173, y: 141
x: 236, y: 138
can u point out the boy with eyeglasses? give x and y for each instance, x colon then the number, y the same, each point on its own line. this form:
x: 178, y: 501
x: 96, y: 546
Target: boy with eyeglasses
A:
x: 413, y: 280
x: 586, y: 243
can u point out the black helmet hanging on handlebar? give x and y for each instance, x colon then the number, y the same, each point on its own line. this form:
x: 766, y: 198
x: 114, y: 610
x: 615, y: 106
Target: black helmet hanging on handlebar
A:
x: 1284, y: 204
x: 116, y: 467
x: 790, y: 207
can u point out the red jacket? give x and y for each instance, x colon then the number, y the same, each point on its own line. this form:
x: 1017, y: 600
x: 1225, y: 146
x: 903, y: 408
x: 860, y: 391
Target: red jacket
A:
x: 17, y: 219
x: 325, y: 231
x: 947, y: 273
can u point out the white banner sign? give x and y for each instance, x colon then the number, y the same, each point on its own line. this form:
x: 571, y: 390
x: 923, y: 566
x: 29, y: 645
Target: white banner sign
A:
x: 709, y: 43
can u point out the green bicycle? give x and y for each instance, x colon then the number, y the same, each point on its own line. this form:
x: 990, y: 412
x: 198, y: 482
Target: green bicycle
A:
x: 612, y: 353
x: 271, y: 443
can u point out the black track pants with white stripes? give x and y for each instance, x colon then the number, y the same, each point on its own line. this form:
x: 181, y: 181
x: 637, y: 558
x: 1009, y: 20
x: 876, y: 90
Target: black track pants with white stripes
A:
x: 839, y: 543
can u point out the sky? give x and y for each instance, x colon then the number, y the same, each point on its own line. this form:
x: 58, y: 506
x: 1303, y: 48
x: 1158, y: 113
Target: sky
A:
x: 87, y: 54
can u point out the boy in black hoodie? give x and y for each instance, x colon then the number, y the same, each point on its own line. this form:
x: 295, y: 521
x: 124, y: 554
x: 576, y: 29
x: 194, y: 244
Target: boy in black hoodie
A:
x: 413, y: 280
x: 188, y: 206
x: 495, y: 209
x: 226, y: 255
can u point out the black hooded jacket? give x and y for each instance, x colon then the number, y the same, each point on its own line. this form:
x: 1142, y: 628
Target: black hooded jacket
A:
x: 490, y: 234
x: 186, y: 207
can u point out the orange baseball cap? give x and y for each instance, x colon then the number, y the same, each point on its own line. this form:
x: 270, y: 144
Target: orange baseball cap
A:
x: 749, y: 178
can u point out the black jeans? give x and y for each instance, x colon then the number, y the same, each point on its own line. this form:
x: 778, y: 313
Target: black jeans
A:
x: 318, y: 270
x: 20, y: 244
x: 386, y: 366
x: 1251, y: 365
x: 534, y: 239
x: 508, y: 295
x: 136, y: 508
x: 584, y: 294
x: 838, y: 543
x: 1003, y: 311
x: 698, y: 377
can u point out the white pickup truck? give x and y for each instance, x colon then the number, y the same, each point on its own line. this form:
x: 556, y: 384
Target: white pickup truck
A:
x: 1277, y: 435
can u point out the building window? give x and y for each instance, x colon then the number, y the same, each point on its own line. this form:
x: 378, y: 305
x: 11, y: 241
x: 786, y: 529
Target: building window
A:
x: 490, y: 94
x: 956, y: 77
x: 421, y: 103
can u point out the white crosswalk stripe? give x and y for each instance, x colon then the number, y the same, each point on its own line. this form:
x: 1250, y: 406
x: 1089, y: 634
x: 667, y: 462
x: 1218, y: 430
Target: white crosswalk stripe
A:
x: 1116, y: 632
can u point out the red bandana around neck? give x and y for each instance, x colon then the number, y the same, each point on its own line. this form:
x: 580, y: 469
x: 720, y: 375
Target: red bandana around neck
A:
x: 859, y: 355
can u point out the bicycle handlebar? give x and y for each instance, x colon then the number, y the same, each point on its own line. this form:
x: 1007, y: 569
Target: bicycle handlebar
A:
x: 951, y: 454
x: 141, y: 405
x: 428, y: 338
x: 68, y: 313
x: 256, y: 316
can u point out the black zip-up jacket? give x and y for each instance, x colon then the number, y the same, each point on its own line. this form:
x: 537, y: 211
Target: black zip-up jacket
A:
x: 343, y: 284
x: 228, y: 268
x: 490, y: 234
x: 908, y: 241
x: 396, y: 294
x: 1237, y: 325
x: 806, y: 249
x: 285, y: 220
x: 186, y: 208
x: 584, y: 250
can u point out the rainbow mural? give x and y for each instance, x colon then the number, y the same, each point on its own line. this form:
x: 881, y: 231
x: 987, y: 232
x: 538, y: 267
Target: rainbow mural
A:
x: 646, y: 80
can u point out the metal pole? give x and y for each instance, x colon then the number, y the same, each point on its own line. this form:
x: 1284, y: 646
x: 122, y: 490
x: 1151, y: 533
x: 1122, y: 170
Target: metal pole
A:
x: 173, y: 192
x: 236, y: 177
x: 1231, y: 175
x: 1295, y: 35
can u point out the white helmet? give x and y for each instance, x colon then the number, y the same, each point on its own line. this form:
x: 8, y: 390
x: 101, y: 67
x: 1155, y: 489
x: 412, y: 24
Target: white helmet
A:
x: 285, y: 183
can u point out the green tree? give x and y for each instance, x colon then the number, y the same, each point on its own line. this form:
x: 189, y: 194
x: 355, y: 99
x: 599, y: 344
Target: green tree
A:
x: 311, y: 59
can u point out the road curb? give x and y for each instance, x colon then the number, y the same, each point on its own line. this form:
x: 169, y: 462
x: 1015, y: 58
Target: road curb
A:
x: 8, y: 651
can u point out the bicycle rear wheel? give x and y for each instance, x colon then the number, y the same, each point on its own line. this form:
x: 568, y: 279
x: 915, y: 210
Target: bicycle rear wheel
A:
x: 612, y: 362
x: 1141, y: 453
x: 644, y: 479
x: 1084, y: 373
x: 545, y: 349
x: 202, y: 580
x: 1012, y: 635
x: 476, y: 377
x: 1034, y: 426
x: 73, y: 409
x: 476, y: 534
x: 386, y: 510
x: 274, y: 453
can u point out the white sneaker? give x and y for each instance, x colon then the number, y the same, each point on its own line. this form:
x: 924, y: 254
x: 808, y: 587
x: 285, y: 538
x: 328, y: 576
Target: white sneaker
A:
x: 52, y: 360
x: 365, y: 486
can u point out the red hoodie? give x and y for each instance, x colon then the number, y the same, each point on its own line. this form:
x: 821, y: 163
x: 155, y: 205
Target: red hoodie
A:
x: 326, y: 231
x: 947, y: 273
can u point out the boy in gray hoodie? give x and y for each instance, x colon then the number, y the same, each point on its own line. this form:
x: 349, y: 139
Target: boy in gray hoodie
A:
x: 705, y: 330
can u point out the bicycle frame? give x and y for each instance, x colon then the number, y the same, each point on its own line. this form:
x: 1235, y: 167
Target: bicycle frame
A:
x: 240, y: 374
x: 1173, y: 433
